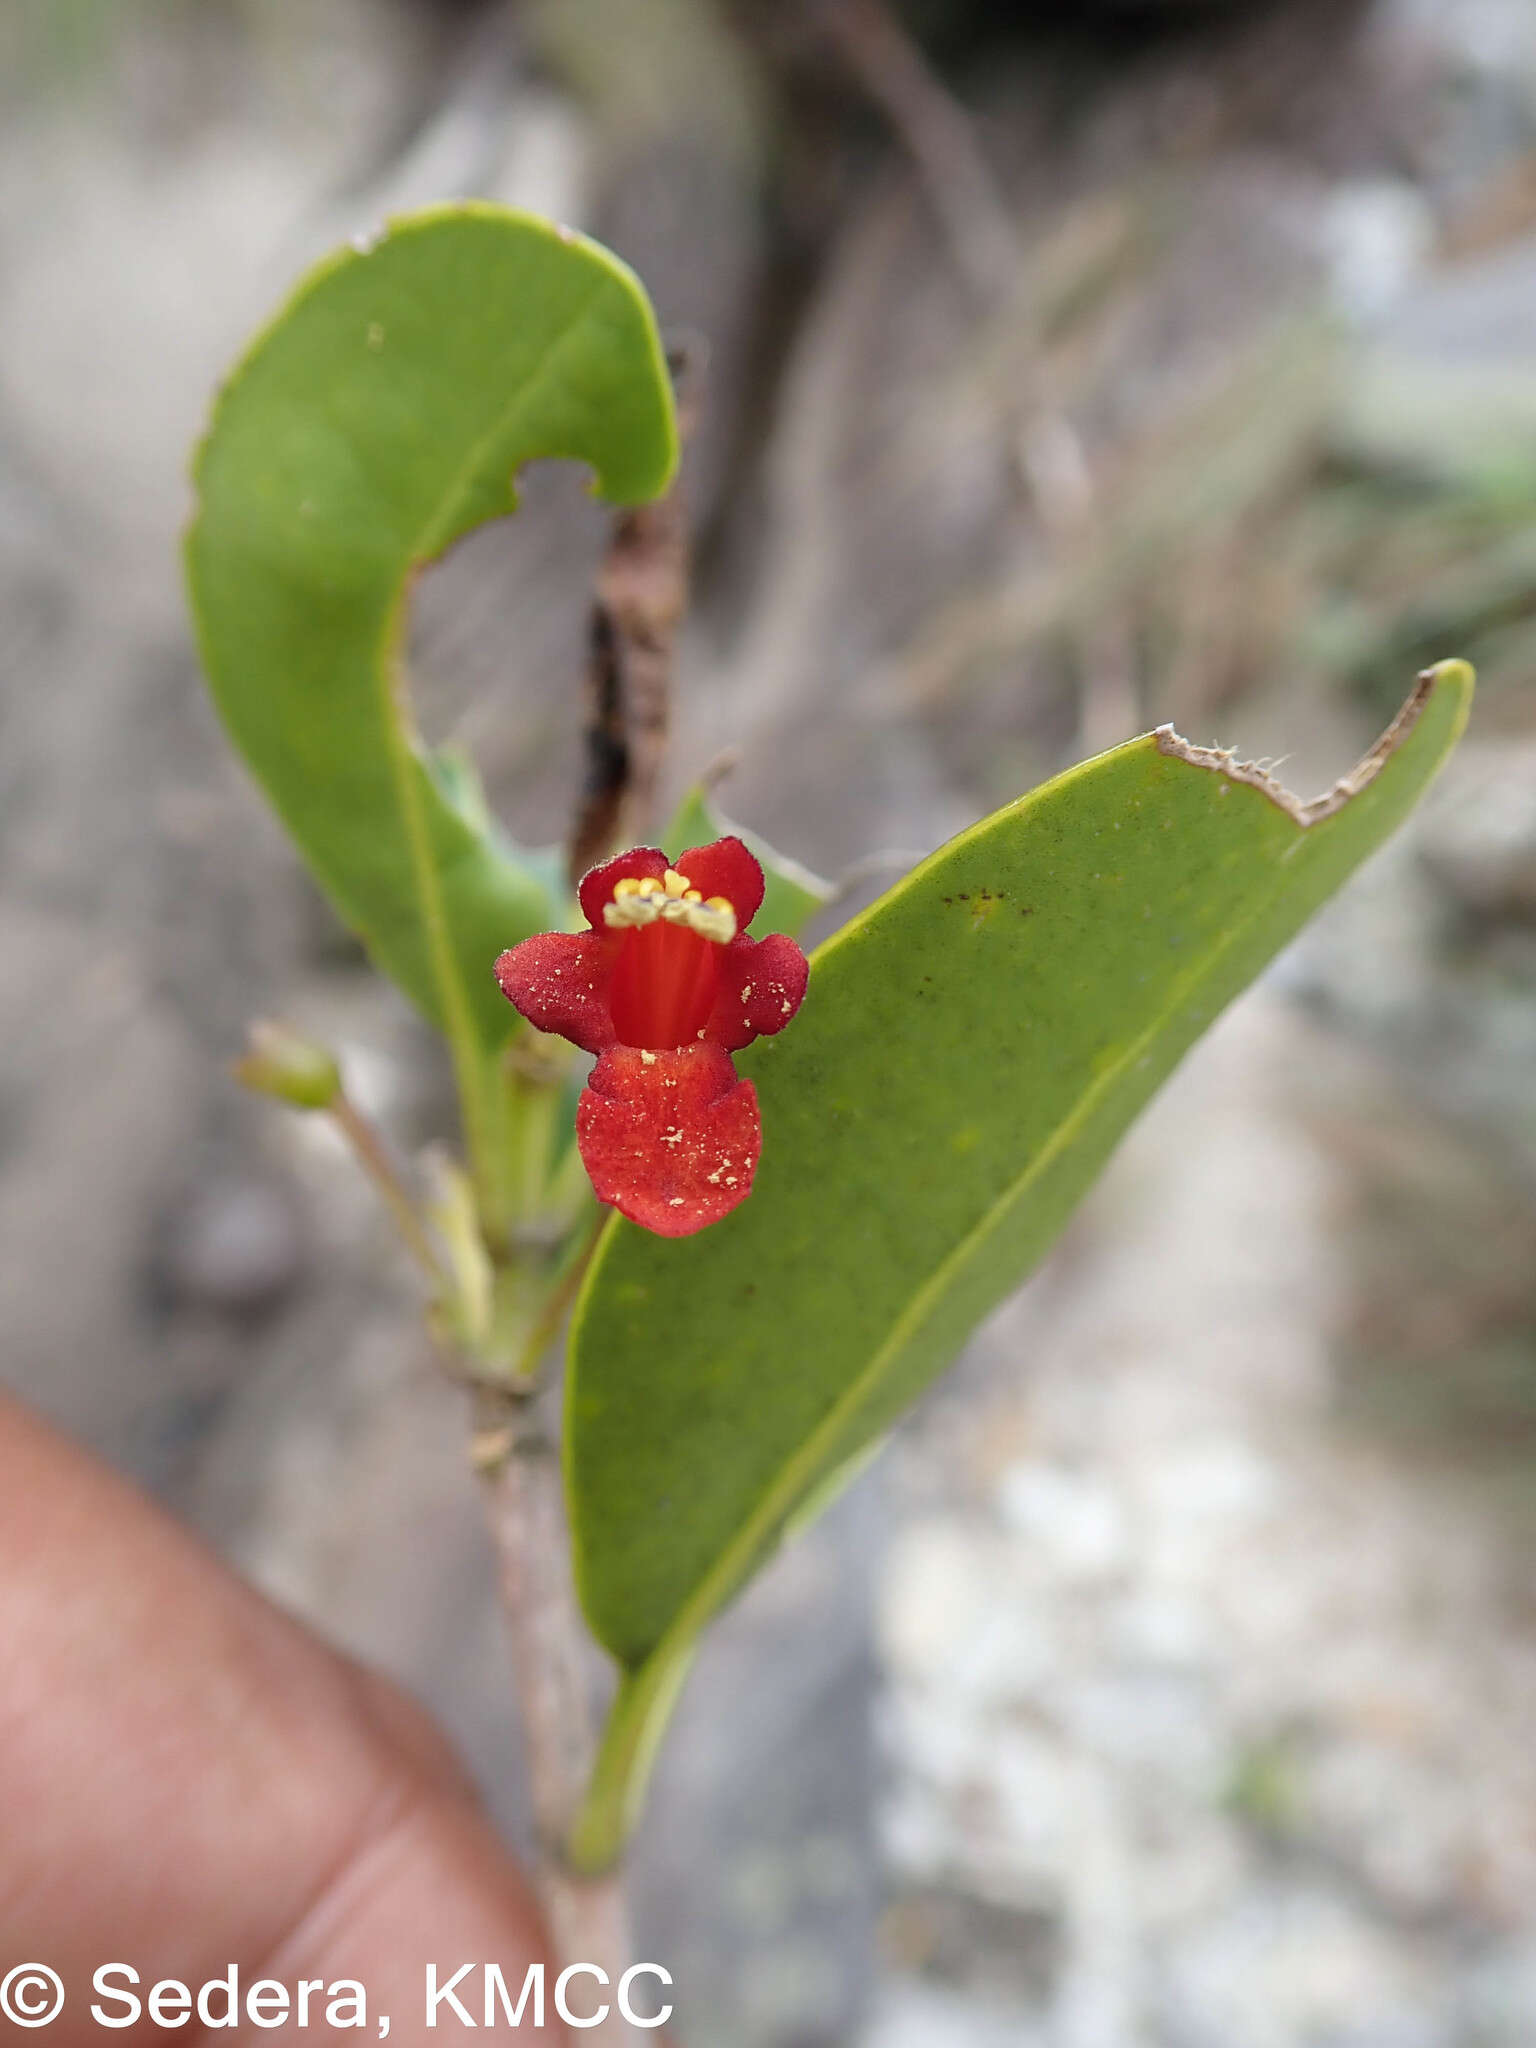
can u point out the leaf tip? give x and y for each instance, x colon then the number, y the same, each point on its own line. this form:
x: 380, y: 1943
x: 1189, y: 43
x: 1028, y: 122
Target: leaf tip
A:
x: 1454, y: 674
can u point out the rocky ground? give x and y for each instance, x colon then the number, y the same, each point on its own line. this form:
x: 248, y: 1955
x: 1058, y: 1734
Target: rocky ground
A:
x: 1168, y: 1683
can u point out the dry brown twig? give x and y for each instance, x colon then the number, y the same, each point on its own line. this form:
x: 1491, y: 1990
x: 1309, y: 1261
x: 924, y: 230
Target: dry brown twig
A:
x: 640, y: 600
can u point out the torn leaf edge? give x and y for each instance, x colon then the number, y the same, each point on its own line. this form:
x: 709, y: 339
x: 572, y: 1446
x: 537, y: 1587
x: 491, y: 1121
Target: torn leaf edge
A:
x: 1302, y: 812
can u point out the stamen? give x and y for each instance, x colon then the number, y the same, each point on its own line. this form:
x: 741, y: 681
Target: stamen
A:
x: 641, y: 900
x: 630, y: 909
x: 715, y: 920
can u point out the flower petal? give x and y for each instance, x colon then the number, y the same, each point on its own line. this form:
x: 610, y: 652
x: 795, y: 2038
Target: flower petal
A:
x: 762, y: 984
x: 726, y: 869
x: 596, y: 886
x: 670, y: 1139
x: 559, y: 980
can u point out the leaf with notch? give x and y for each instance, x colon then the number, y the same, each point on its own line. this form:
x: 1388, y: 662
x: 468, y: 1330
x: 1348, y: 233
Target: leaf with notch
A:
x: 382, y: 415
x: 970, y: 1051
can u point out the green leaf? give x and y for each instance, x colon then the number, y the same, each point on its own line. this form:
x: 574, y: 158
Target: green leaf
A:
x: 969, y: 1053
x: 381, y: 416
x: 792, y: 895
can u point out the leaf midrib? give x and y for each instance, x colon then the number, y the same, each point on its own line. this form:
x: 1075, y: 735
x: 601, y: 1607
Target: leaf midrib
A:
x: 464, y: 1040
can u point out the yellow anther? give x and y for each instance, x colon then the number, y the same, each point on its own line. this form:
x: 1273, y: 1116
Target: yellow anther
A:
x: 640, y: 900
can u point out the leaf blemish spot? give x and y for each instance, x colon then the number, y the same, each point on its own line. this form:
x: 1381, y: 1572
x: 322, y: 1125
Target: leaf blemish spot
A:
x: 983, y: 908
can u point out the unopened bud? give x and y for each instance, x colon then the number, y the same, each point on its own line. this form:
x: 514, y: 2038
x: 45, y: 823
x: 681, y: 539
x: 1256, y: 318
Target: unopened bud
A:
x: 281, y: 1062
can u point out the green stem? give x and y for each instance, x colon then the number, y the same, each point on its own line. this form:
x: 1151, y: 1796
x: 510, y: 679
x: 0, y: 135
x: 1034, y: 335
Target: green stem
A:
x: 637, y: 1720
x: 524, y: 1204
x: 559, y: 1298
x: 496, y: 1160
x: 368, y: 1148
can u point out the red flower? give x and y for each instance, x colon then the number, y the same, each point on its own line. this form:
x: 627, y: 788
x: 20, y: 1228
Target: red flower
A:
x: 664, y: 988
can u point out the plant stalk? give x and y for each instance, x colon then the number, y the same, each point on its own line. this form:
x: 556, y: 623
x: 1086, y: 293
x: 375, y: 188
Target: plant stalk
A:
x: 369, y: 1149
x: 587, y: 1916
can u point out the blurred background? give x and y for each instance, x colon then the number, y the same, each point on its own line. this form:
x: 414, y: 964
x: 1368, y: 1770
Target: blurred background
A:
x: 1170, y: 1682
